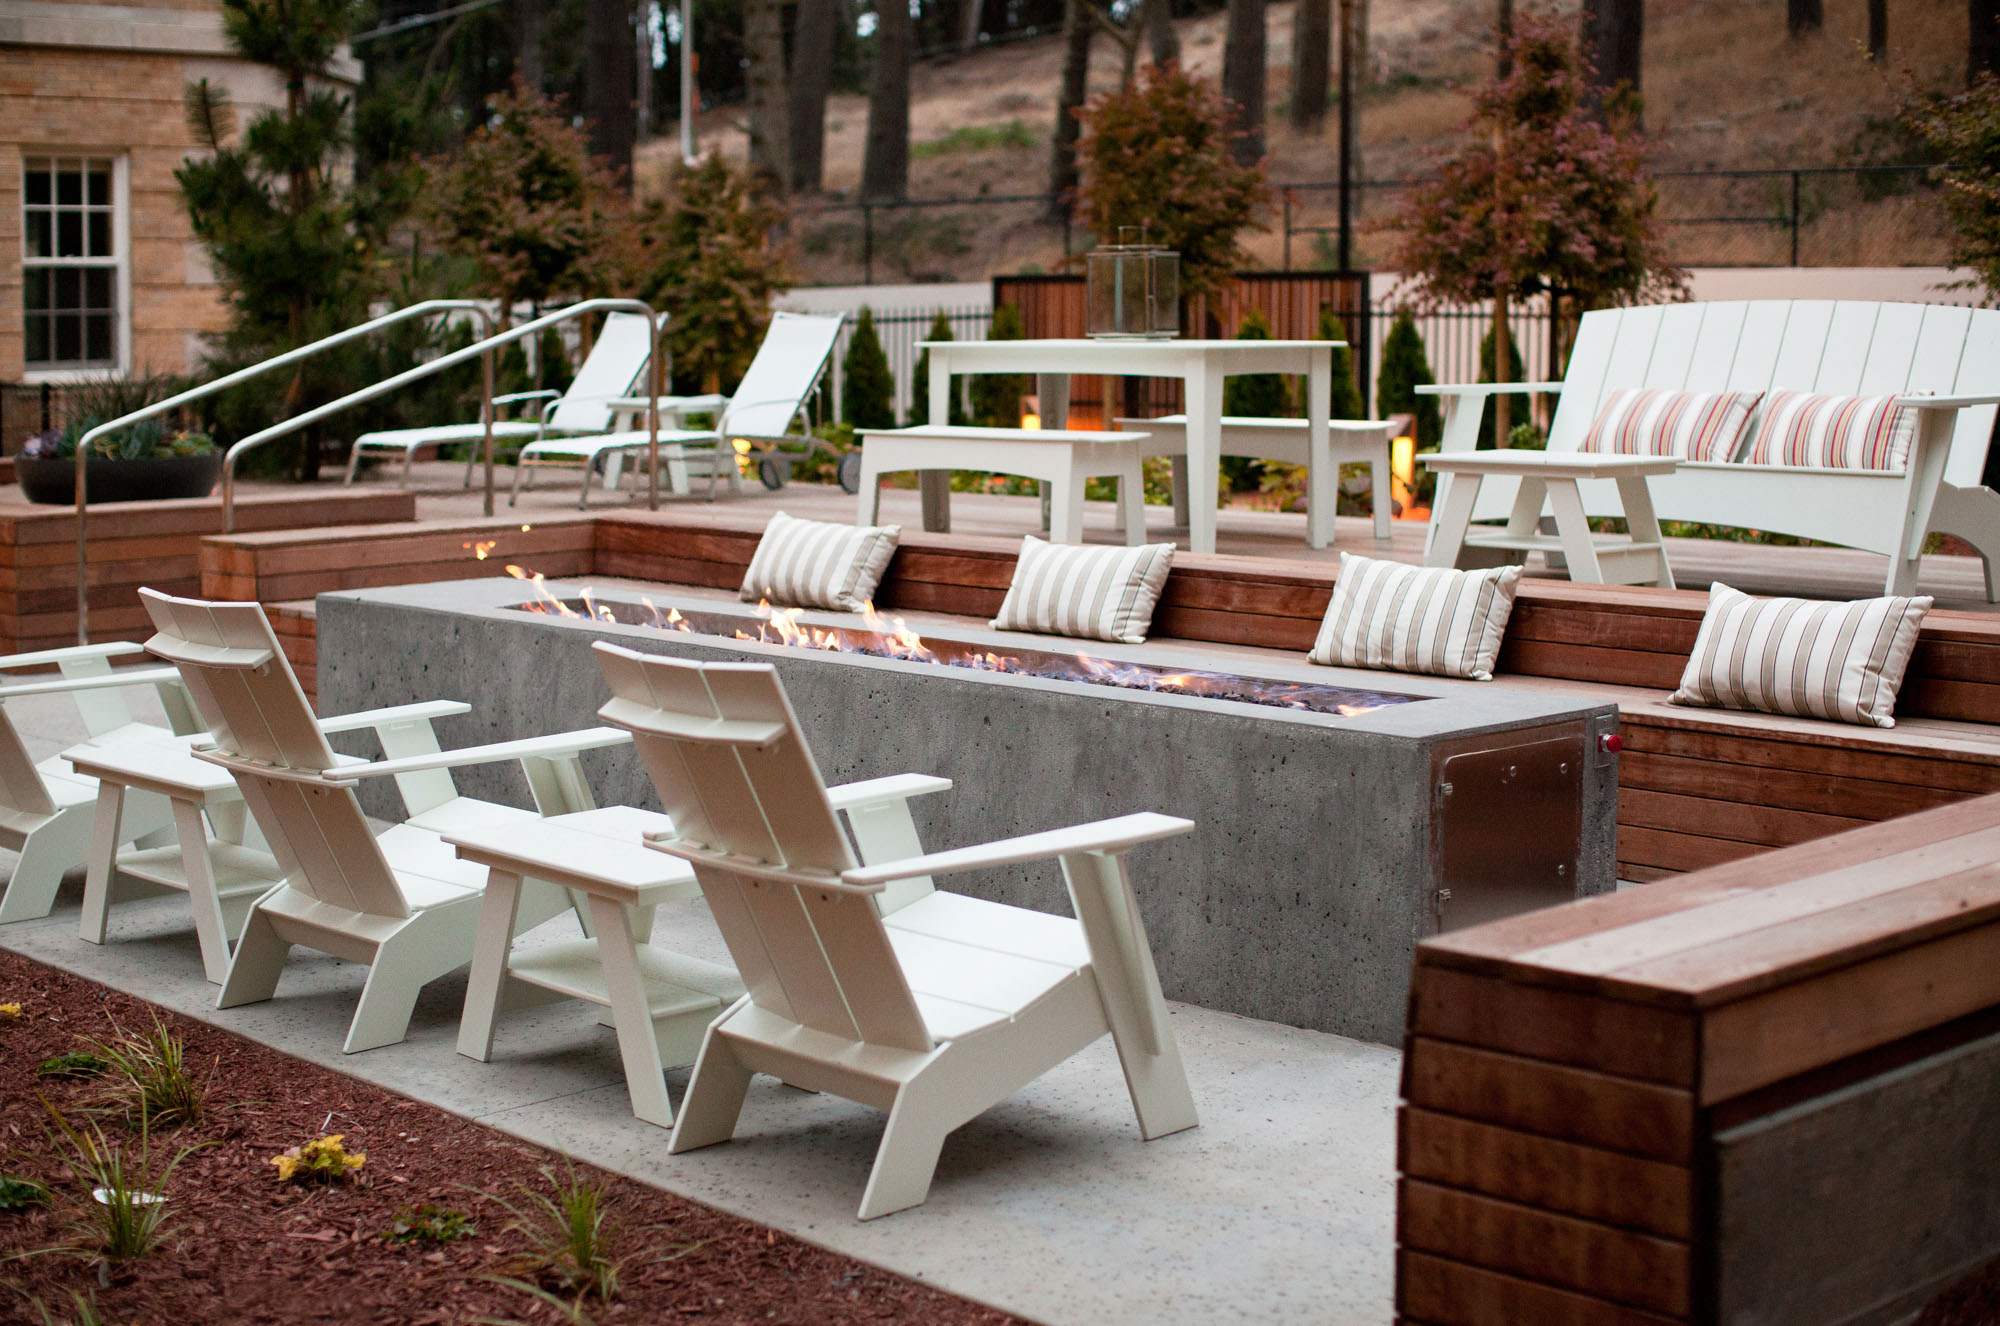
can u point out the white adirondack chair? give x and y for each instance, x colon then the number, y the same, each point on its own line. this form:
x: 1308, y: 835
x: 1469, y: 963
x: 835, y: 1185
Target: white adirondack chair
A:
x: 404, y: 905
x: 616, y: 359
x: 45, y: 808
x: 867, y: 982
x: 774, y: 389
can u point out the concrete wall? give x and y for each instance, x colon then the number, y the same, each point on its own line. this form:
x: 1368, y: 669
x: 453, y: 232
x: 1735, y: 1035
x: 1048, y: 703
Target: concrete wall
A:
x: 1299, y: 898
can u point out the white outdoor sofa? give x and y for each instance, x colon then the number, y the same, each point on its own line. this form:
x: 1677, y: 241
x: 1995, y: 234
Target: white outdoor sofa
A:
x: 1947, y: 358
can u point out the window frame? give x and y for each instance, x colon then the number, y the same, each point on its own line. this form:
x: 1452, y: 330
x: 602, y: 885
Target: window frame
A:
x: 120, y: 264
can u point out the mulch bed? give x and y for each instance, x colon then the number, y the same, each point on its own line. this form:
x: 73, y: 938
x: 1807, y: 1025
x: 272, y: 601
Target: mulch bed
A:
x: 241, y: 1246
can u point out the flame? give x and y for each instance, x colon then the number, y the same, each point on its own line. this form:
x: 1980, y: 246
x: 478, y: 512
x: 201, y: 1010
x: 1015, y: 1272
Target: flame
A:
x: 482, y: 547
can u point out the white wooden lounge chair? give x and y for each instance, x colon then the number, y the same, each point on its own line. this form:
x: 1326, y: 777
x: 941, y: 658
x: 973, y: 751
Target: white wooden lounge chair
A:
x: 773, y: 392
x: 403, y: 905
x: 45, y: 808
x: 617, y: 358
x: 221, y: 862
x: 865, y: 981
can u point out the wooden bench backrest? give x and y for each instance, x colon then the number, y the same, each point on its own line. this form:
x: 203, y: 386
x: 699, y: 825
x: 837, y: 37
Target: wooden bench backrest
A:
x: 1846, y: 347
x: 733, y: 772
x: 245, y: 691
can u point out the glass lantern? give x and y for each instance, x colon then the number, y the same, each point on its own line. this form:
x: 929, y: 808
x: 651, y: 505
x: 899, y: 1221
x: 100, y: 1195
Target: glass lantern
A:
x: 1133, y: 289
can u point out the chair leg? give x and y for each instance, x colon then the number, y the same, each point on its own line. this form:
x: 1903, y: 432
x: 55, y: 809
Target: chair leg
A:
x: 259, y: 958
x: 388, y: 998
x: 520, y: 468
x: 50, y: 850
x: 714, y: 1096
x: 908, y: 1155
x: 583, y: 494
x: 353, y: 462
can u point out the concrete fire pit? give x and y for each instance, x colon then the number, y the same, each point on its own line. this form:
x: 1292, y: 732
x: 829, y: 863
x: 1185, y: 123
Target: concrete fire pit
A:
x: 1327, y: 844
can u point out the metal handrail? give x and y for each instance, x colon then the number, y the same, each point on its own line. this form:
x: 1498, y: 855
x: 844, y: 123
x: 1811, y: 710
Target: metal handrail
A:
x: 423, y: 309
x: 485, y: 349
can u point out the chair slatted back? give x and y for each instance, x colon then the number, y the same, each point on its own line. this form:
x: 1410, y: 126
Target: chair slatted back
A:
x: 1836, y: 347
x: 787, y: 366
x: 246, y: 692
x: 617, y: 357
x: 735, y: 775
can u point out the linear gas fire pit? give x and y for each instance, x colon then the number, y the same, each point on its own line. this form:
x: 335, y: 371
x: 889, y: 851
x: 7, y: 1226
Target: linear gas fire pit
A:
x: 1342, y: 815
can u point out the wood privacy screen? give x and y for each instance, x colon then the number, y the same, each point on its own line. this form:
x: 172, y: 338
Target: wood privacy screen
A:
x: 1052, y: 307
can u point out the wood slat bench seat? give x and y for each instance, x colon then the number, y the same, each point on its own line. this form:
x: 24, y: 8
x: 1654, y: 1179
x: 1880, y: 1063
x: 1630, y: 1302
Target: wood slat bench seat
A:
x: 1759, y: 1092
x: 1700, y: 787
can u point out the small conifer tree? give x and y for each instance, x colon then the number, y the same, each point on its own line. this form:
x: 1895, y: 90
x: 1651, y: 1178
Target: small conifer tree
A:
x: 1405, y: 367
x: 920, y: 381
x: 996, y: 397
x: 868, y: 388
x: 1347, y: 402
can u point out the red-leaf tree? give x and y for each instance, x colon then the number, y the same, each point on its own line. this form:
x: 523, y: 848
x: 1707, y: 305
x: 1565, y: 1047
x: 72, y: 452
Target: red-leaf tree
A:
x: 1539, y: 197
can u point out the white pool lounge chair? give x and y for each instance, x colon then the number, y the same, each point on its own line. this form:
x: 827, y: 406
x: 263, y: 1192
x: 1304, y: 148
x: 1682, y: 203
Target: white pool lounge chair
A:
x: 616, y: 360
x: 403, y: 904
x: 865, y: 981
x: 773, y: 392
x: 45, y: 808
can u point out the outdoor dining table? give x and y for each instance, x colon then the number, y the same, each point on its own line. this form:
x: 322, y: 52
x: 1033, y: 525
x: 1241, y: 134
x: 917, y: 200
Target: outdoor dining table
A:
x: 1200, y: 365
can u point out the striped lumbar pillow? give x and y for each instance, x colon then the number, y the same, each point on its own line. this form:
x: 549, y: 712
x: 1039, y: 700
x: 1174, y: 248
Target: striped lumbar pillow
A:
x: 1098, y: 593
x: 1842, y: 661
x: 1694, y: 425
x: 819, y: 564
x: 1416, y: 618
x: 1834, y: 432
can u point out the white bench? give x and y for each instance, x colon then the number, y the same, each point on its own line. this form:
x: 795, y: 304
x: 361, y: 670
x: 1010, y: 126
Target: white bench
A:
x: 1349, y: 442
x: 1062, y: 458
x: 1947, y: 358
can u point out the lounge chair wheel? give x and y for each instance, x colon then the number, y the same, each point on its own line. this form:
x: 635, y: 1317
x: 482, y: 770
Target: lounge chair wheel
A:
x: 850, y: 472
x: 772, y: 471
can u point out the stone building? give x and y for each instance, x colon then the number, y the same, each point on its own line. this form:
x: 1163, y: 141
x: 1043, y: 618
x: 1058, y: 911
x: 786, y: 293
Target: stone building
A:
x: 99, y: 270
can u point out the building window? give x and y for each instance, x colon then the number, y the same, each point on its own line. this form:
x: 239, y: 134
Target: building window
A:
x: 72, y: 263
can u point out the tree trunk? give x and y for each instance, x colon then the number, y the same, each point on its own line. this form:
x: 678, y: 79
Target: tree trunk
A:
x: 528, y: 42
x: 885, y: 162
x: 1078, y: 27
x: 812, y: 79
x: 1614, y: 36
x: 1803, y: 16
x: 1161, y: 39
x: 770, y: 109
x: 1503, y: 38
x: 968, y: 35
x: 1982, y: 49
x: 1312, y: 35
x: 1243, y: 78
x: 1503, y: 364
x: 610, y: 80
x: 1878, y: 29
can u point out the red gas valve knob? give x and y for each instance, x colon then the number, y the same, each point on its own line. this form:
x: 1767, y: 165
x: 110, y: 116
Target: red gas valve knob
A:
x: 1609, y: 744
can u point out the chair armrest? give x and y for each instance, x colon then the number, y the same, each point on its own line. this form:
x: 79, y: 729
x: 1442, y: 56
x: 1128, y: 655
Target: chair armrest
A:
x: 553, y: 746
x: 401, y: 713
x: 1932, y: 403
x: 69, y: 654
x: 1487, y: 388
x: 516, y: 396
x: 109, y: 681
x: 896, y: 787
x: 1112, y: 835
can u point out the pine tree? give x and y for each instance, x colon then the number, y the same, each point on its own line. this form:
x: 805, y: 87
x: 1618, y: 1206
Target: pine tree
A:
x: 1347, y: 402
x: 996, y: 397
x: 920, y: 381
x: 1405, y: 367
x: 868, y: 388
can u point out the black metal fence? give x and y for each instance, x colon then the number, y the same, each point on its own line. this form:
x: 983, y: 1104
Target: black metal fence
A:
x: 899, y: 331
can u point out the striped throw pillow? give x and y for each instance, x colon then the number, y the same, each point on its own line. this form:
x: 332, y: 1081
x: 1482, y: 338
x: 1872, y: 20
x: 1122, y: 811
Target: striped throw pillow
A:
x: 819, y: 564
x: 1416, y: 618
x: 1096, y: 593
x: 1842, y: 661
x: 1834, y: 432
x: 1653, y: 421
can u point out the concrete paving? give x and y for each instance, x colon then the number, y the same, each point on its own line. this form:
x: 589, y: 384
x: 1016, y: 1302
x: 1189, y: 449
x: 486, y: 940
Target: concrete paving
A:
x: 1278, y: 1208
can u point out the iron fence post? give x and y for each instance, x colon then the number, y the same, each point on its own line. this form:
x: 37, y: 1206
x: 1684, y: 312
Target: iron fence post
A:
x: 867, y: 244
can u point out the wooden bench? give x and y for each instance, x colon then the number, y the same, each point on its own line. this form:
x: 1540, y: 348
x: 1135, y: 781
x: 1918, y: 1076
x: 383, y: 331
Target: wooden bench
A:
x: 1946, y: 359
x: 1349, y: 442
x: 1062, y: 458
x: 1762, y: 1092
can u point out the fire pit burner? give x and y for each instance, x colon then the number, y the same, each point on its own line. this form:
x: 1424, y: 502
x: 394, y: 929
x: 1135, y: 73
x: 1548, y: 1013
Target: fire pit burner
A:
x: 890, y: 638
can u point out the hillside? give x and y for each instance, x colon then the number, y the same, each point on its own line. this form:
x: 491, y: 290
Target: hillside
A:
x: 1725, y: 88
